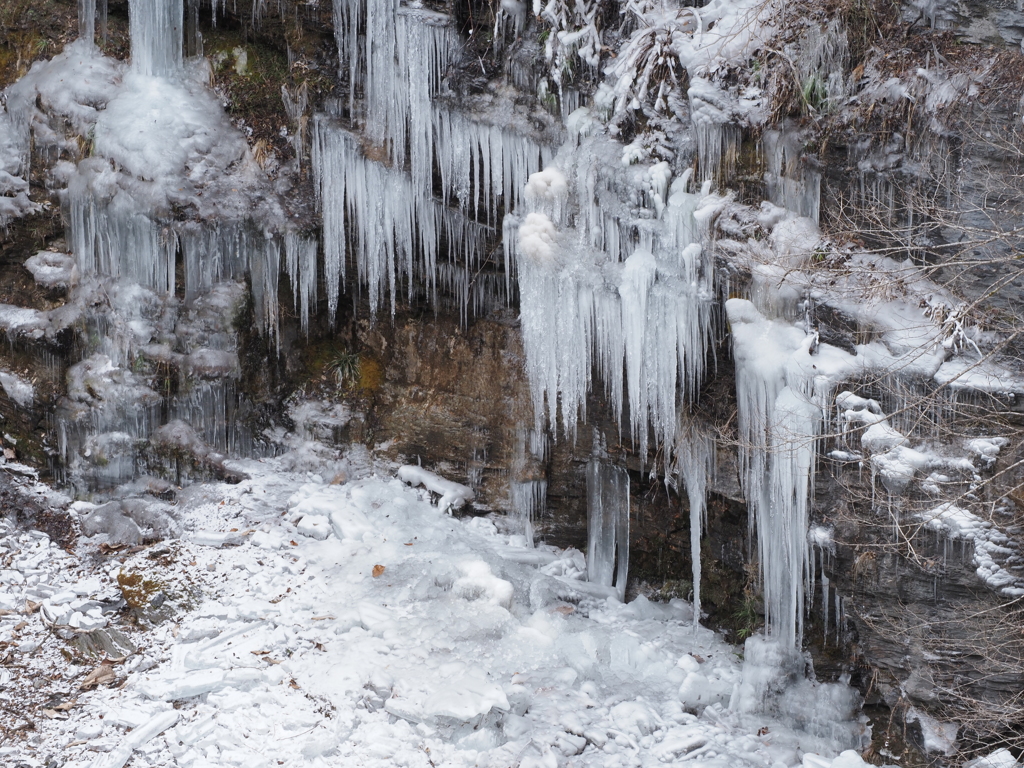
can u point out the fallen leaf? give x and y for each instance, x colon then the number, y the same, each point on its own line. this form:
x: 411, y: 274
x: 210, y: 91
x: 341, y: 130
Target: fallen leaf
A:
x: 408, y: 543
x: 31, y: 607
x: 293, y: 684
x: 66, y: 705
x: 378, y: 570
x: 295, y: 543
x: 55, y: 715
x: 100, y: 675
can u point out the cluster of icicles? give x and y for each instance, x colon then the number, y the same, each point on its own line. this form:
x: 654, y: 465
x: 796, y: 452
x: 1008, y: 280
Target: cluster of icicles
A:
x: 422, y: 194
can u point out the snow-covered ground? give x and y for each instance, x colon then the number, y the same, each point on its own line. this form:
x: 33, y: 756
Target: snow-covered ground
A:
x: 300, y: 622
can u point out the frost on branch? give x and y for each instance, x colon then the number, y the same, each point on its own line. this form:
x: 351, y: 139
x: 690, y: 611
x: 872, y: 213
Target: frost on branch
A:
x: 648, y: 66
x: 574, y: 30
x: 952, y: 322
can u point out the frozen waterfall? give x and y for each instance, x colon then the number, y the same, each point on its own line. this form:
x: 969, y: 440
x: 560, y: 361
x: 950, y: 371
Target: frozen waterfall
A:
x: 612, y: 261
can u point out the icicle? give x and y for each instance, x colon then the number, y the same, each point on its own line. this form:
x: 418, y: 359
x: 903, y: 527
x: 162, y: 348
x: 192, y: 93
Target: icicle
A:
x: 113, y: 237
x: 789, y: 183
x: 607, y: 525
x: 718, y: 138
x: 391, y: 226
x: 265, y: 268
x: 782, y: 527
x: 779, y: 418
x: 484, y: 165
x: 824, y: 598
x: 651, y: 316
x: 103, y: 20
x: 398, y: 56
x: 156, y: 33
x: 300, y: 255
x: 393, y: 230
x: 637, y: 281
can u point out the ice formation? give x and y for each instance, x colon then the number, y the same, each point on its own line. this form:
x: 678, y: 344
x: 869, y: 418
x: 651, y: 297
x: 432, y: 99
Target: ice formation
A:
x: 14, y: 200
x: 992, y: 547
x: 407, y: 133
x: 400, y: 237
x: 607, y: 524
x: 624, y: 292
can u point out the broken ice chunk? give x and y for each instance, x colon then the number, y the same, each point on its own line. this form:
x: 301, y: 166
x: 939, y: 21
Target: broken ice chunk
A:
x: 453, y: 495
x: 217, y: 538
x: 314, y: 526
x: 183, y: 687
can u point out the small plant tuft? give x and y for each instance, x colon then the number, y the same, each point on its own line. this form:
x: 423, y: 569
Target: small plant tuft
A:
x: 345, y: 366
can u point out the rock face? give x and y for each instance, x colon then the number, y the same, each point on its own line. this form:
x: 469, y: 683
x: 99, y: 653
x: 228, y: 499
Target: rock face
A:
x: 452, y: 397
x: 920, y: 159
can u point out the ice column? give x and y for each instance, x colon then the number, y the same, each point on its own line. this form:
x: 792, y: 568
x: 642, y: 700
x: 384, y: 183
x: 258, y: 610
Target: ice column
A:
x: 607, y: 525
x: 156, y: 32
x: 782, y: 528
x: 265, y: 271
x: 87, y: 21
x: 528, y: 500
x: 694, y: 463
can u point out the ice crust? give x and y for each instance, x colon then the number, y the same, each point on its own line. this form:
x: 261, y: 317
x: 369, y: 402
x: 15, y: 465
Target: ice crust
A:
x: 452, y: 645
